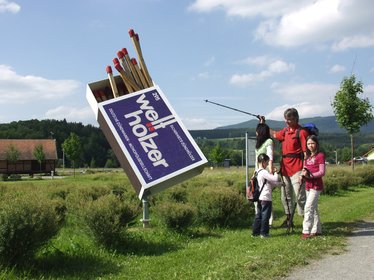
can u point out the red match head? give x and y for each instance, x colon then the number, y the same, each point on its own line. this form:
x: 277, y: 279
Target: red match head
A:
x: 133, y: 60
x: 131, y: 32
x: 115, y: 61
x: 137, y: 37
x: 118, y: 67
x: 109, y: 69
x: 124, y: 51
x: 120, y: 54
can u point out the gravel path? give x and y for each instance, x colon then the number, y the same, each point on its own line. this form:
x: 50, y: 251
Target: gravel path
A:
x: 356, y: 263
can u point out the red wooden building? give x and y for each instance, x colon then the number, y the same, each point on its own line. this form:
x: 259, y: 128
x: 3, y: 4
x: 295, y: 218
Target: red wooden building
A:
x: 27, y: 163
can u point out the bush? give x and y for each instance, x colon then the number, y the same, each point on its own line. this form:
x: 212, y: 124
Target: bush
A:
x: 175, y: 215
x: 367, y: 175
x: 333, y: 184
x: 26, y: 223
x: 3, y: 177
x: 178, y: 194
x: 15, y: 177
x: 107, y: 217
x: 221, y: 207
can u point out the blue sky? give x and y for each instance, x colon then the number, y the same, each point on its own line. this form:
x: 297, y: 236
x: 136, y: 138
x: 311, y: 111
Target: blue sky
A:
x: 257, y: 56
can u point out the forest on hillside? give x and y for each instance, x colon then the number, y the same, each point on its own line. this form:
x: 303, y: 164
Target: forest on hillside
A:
x: 229, y: 143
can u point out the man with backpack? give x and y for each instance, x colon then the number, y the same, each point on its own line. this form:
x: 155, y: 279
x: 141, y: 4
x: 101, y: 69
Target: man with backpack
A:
x: 293, y: 139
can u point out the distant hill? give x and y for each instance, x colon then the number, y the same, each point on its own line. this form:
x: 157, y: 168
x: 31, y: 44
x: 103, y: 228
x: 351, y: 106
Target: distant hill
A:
x: 324, y: 124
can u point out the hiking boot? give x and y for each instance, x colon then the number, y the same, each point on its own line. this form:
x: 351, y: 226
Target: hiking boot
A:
x: 305, y: 236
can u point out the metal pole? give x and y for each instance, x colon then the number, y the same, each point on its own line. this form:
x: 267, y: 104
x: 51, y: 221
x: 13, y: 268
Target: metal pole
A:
x: 246, y: 161
x: 231, y: 108
x: 145, y: 219
x: 63, y: 160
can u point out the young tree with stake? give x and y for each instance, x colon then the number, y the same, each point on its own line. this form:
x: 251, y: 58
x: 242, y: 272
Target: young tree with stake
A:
x: 39, y: 154
x: 72, y: 148
x: 350, y: 110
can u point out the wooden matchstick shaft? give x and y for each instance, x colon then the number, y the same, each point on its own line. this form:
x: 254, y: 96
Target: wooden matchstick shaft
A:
x: 125, y: 66
x: 135, y: 40
x: 132, y: 68
x: 125, y: 79
x: 112, y: 81
x: 128, y: 85
x: 139, y: 73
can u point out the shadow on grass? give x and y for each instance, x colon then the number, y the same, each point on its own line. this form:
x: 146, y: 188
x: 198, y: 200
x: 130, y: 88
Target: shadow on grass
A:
x: 133, y: 244
x: 141, y: 247
x: 343, y: 228
x: 61, y: 265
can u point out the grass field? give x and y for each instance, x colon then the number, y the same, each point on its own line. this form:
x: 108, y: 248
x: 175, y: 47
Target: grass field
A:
x: 198, y: 253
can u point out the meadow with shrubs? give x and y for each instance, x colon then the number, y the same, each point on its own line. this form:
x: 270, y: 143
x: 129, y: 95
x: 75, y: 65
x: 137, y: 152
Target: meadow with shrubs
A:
x: 88, y: 227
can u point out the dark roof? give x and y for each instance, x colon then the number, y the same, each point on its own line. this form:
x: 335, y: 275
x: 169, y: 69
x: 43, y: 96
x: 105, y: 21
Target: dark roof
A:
x: 26, y: 148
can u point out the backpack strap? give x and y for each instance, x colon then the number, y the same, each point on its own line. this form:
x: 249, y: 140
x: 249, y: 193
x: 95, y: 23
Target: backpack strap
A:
x: 263, y: 183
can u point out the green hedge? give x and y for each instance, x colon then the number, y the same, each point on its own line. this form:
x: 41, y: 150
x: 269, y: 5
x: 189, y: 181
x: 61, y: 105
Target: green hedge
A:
x: 174, y: 215
x: 27, y: 222
x: 221, y: 207
x: 107, y: 217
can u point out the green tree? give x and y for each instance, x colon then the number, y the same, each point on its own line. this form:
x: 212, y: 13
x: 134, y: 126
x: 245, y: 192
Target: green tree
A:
x: 350, y: 110
x: 217, y: 154
x: 12, y: 154
x: 39, y: 154
x: 72, y: 148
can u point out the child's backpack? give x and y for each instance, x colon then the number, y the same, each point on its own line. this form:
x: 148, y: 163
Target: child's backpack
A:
x: 254, y: 190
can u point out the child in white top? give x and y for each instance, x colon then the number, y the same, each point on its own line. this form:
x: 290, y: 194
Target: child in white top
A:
x: 264, y: 206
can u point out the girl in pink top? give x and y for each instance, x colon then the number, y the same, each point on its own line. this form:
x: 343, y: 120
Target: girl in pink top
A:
x: 314, y: 170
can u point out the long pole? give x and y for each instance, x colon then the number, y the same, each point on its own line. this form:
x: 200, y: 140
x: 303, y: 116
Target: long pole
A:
x: 244, y: 112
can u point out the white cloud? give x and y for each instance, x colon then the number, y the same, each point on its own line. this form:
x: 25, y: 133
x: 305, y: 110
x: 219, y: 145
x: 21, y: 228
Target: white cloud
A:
x: 6, y: 6
x: 18, y: 89
x: 342, y: 24
x: 198, y: 123
x: 262, y: 60
x: 72, y: 114
x: 204, y: 75
x: 305, y: 109
x: 273, y: 67
x: 359, y: 41
x: 248, y: 8
x: 306, y: 92
x: 337, y: 68
x: 210, y: 61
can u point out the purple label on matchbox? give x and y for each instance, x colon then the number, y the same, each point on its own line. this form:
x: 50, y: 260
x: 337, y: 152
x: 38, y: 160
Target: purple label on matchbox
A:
x: 151, y: 134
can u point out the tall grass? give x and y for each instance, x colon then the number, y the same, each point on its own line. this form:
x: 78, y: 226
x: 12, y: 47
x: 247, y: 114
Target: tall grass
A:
x: 199, y: 252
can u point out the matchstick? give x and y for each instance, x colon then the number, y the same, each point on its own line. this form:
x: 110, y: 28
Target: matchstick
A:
x: 135, y: 40
x: 112, y: 81
x: 131, y: 66
x: 125, y: 66
x: 97, y: 96
x: 139, y: 73
x: 128, y: 81
x: 133, y: 87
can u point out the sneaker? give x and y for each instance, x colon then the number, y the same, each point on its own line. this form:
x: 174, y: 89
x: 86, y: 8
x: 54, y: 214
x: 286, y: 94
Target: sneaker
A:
x: 264, y: 235
x: 315, y: 234
x: 305, y: 236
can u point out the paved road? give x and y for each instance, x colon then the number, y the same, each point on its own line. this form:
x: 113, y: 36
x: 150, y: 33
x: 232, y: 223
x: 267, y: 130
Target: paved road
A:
x: 356, y: 263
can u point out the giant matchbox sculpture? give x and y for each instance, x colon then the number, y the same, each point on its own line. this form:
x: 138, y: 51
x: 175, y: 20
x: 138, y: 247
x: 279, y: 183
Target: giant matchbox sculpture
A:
x: 151, y: 143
